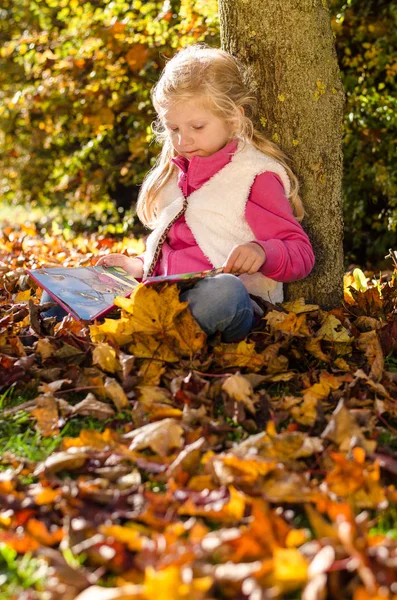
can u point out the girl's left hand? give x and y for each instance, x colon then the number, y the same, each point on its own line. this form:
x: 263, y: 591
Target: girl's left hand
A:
x: 245, y: 258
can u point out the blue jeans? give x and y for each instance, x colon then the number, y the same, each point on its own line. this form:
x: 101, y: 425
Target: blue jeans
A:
x: 219, y: 303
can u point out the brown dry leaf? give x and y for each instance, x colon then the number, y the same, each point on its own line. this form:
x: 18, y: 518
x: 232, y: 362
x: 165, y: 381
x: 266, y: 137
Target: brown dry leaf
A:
x: 228, y: 511
x: 356, y: 479
x: 229, y: 468
x: 367, y: 323
x: 151, y: 394
x: 61, y: 461
x: 106, y: 357
x: 53, y: 386
x: 298, y: 306
x: 45, y: 348
x: 319, y: 524
x: 161, y: 436
x: 188, y: 459
x: 344, y: 431
x: 282, y: 446
x: 306, y: 413
x: 115, y: 392
x: 275, y: 362
x: 92, y: 407
x: 287, y: 486
x: 369, y: 343
x: 47, y: 415
x: 313, y: 345
x: 125, y: 592
x: 240, y: 389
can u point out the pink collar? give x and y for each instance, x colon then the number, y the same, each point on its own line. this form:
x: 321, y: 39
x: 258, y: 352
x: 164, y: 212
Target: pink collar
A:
x: 202, y: 168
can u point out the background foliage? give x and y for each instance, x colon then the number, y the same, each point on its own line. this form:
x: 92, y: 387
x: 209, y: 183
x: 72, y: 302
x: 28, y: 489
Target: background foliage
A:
x: 75, y: 109
x: 75, y: 104
x: 366, y: 43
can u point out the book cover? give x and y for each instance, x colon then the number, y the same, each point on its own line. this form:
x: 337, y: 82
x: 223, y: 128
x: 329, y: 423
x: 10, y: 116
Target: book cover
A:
x: 88, y: 293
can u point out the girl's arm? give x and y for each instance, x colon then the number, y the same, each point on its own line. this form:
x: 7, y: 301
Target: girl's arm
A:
x: 289, y: 254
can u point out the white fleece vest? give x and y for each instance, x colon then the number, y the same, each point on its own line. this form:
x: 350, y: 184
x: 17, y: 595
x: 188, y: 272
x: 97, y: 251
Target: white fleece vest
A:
x: 215, y: 213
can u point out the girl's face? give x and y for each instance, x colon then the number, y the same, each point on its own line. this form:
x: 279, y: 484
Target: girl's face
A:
x: 194, y: 130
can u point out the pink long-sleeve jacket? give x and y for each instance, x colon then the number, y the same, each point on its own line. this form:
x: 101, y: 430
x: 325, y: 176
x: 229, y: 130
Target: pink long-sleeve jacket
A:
x: 289, y: 255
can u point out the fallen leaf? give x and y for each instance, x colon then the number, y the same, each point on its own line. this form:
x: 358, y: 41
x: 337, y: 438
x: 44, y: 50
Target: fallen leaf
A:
x: 105, y: 356
x: 240, y: 389
x: 161, y: 437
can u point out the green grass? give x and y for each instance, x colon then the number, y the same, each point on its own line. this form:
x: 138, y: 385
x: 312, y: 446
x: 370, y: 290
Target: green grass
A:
x: 386, y: 523
x: 20, y: 573
x: 391, y: 363
x: 19, y: 436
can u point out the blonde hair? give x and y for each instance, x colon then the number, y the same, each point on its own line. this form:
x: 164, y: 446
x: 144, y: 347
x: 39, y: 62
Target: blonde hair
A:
x: 214, y: 77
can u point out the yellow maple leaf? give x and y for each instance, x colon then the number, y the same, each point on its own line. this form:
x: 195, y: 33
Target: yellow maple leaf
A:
x: 105, y: 356
x: 169, y: 581
x: 290, y: 324
x: 126, y: 535
x: 117, y: 330
x: 151, y: 371
x: 152, y: 312
x: 298, y: 306
x: 148, y: 346
x: 188, y: 334
x: 22, y: 296
x: 332, y: 330
x: 289, y: 566
x: 242, y: 354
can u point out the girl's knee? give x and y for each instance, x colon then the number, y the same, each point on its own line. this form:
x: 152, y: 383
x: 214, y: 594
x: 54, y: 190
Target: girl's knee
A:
x: 230, y: 287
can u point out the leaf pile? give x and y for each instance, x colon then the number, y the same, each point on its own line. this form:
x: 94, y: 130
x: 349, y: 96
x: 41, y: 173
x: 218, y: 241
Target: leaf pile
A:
x: 263, y: 469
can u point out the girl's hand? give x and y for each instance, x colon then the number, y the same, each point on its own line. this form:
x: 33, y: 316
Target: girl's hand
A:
x: 133, y: 266
x: 245, y: 258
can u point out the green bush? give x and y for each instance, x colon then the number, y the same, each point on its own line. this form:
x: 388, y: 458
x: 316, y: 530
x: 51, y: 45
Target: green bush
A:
x: 75, y: 108
x: 366, y: 36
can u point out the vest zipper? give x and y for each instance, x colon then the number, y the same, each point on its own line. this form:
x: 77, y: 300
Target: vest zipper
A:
x: 163, y: 238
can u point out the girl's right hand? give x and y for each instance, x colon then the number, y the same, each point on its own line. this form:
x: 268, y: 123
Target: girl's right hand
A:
x: 133, y: 266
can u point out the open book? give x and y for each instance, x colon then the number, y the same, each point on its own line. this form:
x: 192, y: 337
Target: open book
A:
x: 88, y: 293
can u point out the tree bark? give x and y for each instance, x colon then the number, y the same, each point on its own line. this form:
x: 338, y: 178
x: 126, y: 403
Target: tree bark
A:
x: 287, y: 47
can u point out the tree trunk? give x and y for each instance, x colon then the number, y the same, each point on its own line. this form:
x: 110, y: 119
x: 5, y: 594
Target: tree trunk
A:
x: 288, y: 50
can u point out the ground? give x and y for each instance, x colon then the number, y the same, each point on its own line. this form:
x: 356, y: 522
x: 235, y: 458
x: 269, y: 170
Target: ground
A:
x: 137, y: 455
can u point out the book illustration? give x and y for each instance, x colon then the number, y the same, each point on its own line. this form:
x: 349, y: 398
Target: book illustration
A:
x: 85, y: 292
x: 88, y: 293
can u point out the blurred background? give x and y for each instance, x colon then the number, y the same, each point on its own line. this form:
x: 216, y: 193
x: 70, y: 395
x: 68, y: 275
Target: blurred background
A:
x: 75, y: 111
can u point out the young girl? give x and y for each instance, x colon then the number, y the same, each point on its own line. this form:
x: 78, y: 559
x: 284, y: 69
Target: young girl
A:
x: 220, y: 195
